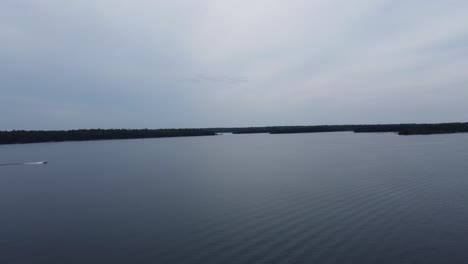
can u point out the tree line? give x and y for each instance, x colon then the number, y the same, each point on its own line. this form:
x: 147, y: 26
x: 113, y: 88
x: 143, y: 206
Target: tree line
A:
x: 35, y: 136
x: 401, y: 129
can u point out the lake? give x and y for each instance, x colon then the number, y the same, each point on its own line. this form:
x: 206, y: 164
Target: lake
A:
x: 257, y: 198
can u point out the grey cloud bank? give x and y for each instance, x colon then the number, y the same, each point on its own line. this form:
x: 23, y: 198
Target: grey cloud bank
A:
x: 136, y: 64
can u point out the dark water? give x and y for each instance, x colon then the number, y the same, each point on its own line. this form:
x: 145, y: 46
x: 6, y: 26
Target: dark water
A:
x: 304, y: 198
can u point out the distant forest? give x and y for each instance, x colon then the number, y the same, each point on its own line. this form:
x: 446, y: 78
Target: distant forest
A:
x: 23, y: 136
x: 31, y: 136
x: 401, y: 129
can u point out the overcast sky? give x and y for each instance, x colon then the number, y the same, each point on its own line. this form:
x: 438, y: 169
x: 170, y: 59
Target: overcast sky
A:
x: 211, y: 63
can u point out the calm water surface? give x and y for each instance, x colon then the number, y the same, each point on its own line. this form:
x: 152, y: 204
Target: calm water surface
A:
x: 301, y: 198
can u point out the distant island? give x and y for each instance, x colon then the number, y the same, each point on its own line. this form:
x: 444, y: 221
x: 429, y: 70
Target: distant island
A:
x: 37, y: 136
x: 401, y: 129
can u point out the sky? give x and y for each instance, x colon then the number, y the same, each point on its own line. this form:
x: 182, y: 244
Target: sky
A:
x: 218, y: 63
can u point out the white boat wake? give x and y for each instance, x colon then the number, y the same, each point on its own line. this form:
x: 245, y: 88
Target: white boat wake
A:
x: 24, y: 163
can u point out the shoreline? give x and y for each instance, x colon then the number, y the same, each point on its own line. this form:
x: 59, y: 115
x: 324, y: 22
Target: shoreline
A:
x: 50, y: 136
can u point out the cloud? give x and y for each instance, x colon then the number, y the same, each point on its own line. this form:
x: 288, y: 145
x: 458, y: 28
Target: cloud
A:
x: 222, y: 63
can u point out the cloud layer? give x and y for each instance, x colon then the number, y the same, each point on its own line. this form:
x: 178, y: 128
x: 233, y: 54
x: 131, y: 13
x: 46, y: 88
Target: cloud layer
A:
x: 109, y: 63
